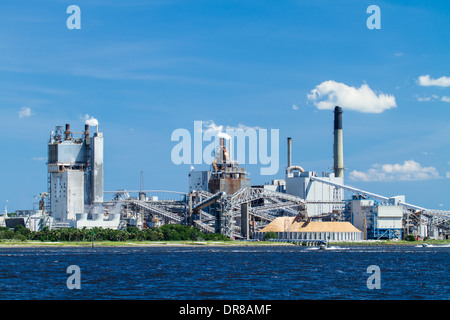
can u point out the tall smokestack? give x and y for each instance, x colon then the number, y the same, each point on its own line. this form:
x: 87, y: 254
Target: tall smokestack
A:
x: 338, y: 144
x: 67, y: 132
x: 86, y: 131
x: 289, y: 150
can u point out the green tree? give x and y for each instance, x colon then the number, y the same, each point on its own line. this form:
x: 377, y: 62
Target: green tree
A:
x: 19, y: 237
x: 6, y: 233
x: 270, y: 235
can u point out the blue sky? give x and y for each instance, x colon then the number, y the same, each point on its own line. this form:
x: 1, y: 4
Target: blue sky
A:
x: 146, y: 68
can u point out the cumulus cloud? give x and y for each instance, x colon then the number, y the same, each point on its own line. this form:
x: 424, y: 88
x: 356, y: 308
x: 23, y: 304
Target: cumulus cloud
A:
x: 294, y: 107
x: 24, y: 112
x: 409, y: 170
x: 427, y: 81
x: 445, y: 99
x: 330, y: 93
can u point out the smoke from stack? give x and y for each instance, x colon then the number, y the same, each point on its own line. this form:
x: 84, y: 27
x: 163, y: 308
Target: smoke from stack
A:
x: 91, y: 122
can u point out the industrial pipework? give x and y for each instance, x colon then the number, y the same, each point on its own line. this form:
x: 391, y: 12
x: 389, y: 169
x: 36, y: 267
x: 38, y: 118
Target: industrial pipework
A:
x: 290, y: 167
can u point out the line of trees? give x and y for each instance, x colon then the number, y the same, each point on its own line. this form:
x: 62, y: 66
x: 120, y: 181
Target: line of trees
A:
x: 164, y: 233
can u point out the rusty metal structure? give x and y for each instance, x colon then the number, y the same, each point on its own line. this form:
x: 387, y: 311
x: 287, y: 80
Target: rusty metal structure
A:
x: 226, y: 175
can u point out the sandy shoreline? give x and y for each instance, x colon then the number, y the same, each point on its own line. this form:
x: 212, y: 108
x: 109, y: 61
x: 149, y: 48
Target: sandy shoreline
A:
x: 104, y: 244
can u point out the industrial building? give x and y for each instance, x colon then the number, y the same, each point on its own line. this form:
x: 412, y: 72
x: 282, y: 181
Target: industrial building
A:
x: 303, y: 205
x: 223, y: 180
x: 376, y: 220
x: 373, y: 215
x: 322, y: 199
x: 75, y: 184
x: 287, y: 228
x: 75, y: 176
x: 225, y: 174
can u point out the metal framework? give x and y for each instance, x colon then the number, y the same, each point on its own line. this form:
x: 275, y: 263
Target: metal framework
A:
x: 413, y: 214
x: 263, y: 207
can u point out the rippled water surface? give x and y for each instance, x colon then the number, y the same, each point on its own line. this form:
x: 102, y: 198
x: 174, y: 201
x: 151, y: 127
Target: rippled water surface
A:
x: 269, y: 273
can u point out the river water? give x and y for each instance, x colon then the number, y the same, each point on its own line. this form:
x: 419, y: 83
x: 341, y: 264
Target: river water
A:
x: 229, y: 272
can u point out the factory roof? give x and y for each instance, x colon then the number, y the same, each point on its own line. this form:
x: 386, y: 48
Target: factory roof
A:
x: 285, y: 224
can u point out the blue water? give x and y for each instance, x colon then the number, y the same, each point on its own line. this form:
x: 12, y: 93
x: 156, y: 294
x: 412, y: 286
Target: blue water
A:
x: 268, y: 273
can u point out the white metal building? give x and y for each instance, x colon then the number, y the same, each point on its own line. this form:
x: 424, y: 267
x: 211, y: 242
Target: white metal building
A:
x: 299, y: 184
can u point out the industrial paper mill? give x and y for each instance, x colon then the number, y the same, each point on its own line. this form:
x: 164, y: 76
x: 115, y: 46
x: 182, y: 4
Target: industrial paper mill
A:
x: 303, y: 205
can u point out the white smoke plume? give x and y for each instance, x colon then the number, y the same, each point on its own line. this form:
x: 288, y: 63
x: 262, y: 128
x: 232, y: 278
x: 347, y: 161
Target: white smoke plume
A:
x: 217, y: 129
x: 90, y: 121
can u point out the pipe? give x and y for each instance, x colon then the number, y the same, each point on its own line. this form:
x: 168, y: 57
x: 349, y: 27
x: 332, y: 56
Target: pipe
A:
x: 351, y: 189
x: 292, y: 168
x: 86, y: 131
x: 338, y: 152
x: 223, y: 151
x: 380, y: 197
x: 67, y: 132
x: 289, y: 159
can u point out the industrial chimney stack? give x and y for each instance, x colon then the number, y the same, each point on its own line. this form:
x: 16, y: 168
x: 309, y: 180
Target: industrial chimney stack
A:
x: 338, y: 144
x: 289, y: 150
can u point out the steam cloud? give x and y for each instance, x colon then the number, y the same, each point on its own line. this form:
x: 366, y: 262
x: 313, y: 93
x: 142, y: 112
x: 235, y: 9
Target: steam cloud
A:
x: 91, y: 121
x: 210, y: 125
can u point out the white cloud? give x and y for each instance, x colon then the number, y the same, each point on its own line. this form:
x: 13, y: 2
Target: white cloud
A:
x: 330, y: 93
x: 447, y: 175
x: 399, y: 54
x: 39, y: 158
x: 433, y: 98
x: 426, y: 99
x: 409, y: 170
x: 294, y: 107
x: 243, y: 127
x: 219, y: 130
x: 24, y: 112
x: 426, y: 81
